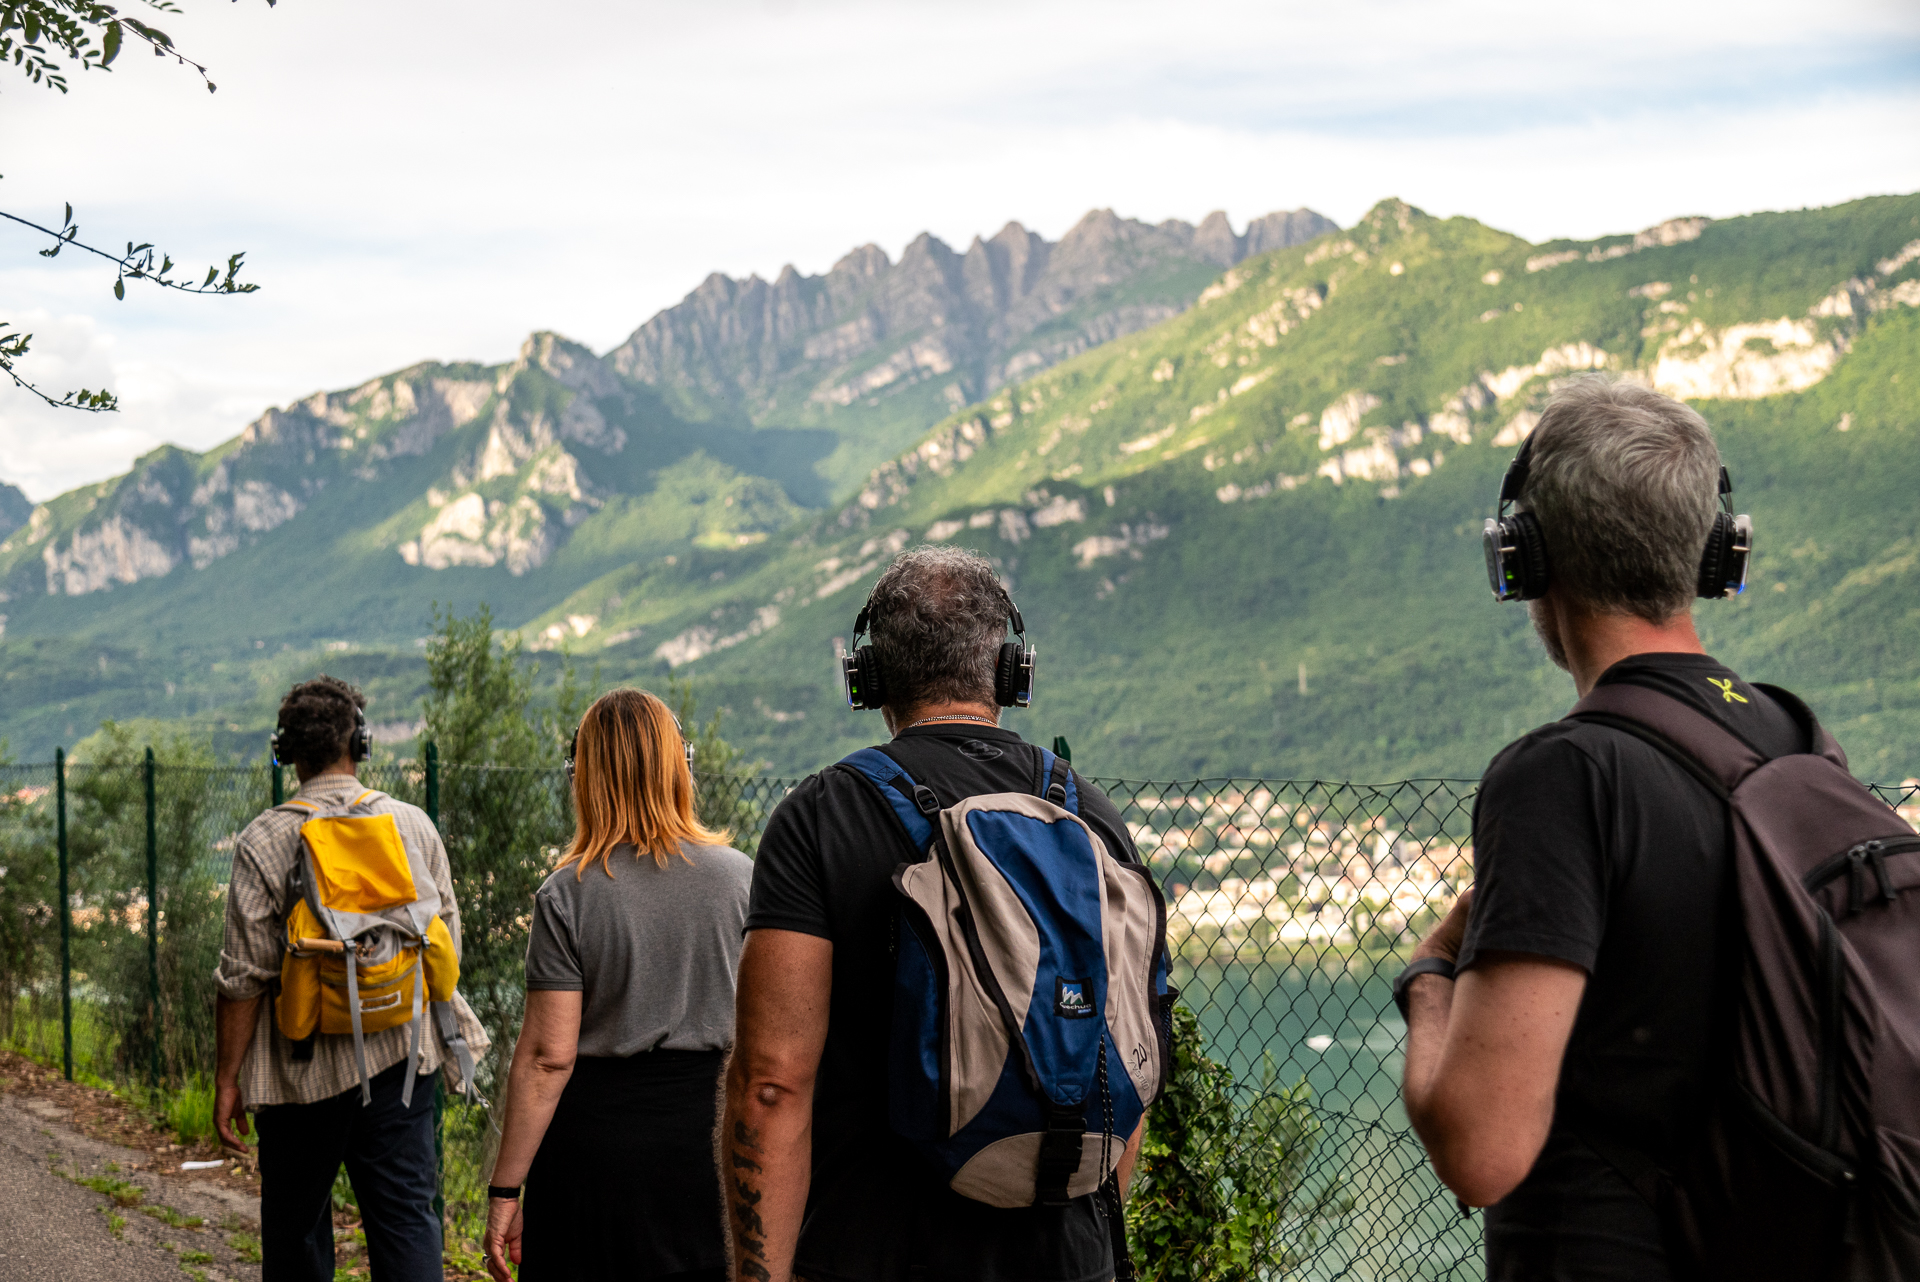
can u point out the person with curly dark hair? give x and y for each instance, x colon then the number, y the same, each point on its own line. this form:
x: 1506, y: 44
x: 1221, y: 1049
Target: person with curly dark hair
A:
x: 306, y: 1097
x: 317, y: 718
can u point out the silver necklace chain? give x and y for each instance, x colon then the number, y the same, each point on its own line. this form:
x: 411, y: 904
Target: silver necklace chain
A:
x: 950, y: 716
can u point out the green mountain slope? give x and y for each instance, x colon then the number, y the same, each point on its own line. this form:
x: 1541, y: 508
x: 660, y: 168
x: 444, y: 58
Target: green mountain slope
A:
x: 1245, y: 539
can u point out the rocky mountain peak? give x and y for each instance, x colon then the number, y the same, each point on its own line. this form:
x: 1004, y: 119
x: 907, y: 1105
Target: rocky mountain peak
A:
x: 861, y: 338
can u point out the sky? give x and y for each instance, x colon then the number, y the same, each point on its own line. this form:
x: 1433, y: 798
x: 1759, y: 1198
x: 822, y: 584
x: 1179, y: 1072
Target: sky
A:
x: 418, y: 179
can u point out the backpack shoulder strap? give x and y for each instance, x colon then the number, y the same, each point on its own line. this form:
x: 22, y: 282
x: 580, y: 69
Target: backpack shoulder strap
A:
x: 913, y: 803
x: 1710, y: 753
x: 1824, y: 744
x: 1056, y: 782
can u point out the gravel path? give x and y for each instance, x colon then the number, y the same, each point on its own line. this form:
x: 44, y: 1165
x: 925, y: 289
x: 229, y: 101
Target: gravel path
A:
x: 53, y: 1228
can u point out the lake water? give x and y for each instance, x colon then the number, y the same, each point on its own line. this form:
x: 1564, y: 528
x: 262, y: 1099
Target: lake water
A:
x: 1334, y: 1023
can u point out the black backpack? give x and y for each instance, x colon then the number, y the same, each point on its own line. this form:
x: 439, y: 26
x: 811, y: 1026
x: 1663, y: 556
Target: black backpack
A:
x: 1809, y: 1162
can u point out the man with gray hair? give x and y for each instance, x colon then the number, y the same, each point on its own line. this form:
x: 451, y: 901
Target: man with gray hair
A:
x: 1562, y: 1019
x: 818, y: 1185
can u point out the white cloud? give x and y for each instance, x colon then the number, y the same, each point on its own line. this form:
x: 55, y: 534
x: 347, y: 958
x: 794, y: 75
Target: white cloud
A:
x: 433, y: 181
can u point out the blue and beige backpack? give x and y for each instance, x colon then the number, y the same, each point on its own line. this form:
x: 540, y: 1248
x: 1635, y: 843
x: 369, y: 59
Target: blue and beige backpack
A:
x: 1031, y: 1010
x: 366, y: 949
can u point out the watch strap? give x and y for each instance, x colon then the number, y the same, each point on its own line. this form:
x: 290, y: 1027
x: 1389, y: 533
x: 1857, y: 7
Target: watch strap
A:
x: 1423, y: 966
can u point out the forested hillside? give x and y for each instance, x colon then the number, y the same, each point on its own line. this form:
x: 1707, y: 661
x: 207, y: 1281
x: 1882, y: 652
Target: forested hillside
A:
x: 1245, y: 539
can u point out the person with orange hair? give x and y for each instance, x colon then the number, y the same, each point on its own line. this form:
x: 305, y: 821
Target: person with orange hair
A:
x: 630, y: 973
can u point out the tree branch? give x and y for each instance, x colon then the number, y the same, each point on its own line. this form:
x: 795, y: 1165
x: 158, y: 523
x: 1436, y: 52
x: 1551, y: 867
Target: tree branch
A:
x: 138, y: 262
x: 14, y: 345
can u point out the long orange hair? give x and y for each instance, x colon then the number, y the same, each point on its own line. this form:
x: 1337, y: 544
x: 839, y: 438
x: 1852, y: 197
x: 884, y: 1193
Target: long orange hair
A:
x: 631, y: 784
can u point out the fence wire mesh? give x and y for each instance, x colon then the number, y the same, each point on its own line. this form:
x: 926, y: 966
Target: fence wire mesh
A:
x: 1291, y: 905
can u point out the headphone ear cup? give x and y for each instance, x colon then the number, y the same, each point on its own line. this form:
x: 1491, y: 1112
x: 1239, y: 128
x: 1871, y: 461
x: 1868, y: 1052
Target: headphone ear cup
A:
x: 1530, y: 555
x: 1006, y: 674
x: 865, y: 689
x: 1713, y: 560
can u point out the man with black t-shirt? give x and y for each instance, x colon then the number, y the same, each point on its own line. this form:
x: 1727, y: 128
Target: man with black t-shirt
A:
x: 1578, y: 1036
x: 818, y: 1186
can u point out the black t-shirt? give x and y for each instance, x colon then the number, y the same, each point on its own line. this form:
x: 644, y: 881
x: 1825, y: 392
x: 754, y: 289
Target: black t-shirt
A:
x: 877, y: 1211
x: 1594, y: 847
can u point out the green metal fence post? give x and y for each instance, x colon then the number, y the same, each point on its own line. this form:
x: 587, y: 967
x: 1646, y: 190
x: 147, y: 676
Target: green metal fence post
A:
x: 153, y: 920
x: 66, y: 914
x: 430, y: 757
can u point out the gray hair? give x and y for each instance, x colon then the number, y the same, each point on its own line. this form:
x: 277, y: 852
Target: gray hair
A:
x: 1624, y: 482
x: 939, y: 616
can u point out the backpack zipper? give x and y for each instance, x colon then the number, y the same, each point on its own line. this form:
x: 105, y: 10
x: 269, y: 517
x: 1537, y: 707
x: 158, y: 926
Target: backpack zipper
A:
x: 1859, y: 862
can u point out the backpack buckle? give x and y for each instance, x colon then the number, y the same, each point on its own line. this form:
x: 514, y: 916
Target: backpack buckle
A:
x: 1060, y: 1154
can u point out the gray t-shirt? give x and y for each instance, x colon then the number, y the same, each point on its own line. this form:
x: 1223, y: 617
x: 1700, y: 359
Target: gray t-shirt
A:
x: 653, y: 950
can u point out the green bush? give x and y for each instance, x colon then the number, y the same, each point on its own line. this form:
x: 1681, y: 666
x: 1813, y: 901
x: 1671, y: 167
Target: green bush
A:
x: 1221, y: 1180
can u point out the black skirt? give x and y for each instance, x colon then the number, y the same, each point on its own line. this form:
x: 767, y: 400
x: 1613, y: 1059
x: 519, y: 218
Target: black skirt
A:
x: 623, y: 1185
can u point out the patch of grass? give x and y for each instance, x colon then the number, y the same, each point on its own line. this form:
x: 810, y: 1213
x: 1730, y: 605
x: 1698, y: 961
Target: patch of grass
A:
x: 120, y: 1191
x: 189, y: 1111
x: 245, y: 1245
x: 172, y: 1218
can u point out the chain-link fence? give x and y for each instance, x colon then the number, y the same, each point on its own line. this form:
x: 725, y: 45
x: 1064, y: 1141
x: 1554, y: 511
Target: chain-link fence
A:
x: 1291, y: 905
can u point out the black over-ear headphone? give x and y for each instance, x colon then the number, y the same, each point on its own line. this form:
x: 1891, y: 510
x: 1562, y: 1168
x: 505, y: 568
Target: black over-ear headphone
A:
x: 574, y: 742
x: 359, y: 743
x: 1516, y: 547
x: 1012, y: 666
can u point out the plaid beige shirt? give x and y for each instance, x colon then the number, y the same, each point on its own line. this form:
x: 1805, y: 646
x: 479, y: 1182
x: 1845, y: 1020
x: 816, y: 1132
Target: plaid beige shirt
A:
x: 258, y: 900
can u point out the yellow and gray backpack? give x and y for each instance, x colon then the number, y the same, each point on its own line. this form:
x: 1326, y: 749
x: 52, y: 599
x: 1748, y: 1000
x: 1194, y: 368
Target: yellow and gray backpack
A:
x: 366, y: 949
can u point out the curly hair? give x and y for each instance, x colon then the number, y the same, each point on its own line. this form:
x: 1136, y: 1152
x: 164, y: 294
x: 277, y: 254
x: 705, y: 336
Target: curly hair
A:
x: 316, y: 720
x: 939, y: 616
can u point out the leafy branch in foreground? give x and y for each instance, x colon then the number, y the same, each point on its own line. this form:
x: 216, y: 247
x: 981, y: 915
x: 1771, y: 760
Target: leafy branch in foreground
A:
x: 138, y: 261
x: 32, y: 30
x: 13, y: 345
x: 136, y: 264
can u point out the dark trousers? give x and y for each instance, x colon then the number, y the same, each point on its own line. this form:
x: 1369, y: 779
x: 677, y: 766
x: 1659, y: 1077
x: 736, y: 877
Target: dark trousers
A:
x: 388, y: 1151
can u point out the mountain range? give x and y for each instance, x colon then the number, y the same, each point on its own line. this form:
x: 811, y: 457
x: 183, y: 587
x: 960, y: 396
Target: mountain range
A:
x: 1234, y: 480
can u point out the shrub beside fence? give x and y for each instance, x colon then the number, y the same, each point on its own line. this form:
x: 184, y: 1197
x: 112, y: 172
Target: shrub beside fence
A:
x: 1291, y: 905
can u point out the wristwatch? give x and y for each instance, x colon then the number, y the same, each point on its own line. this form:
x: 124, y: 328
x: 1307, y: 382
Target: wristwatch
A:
x: 1424, y: 966
x: 504, y: 1193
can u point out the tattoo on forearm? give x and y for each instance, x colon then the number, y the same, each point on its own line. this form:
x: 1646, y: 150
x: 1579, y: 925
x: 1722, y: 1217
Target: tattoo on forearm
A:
x: 751, y: 1251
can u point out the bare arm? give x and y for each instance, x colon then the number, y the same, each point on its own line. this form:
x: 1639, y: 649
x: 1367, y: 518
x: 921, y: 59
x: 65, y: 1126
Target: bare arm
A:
x: 542, y: 1065
x: 234, y: 1022
x: 1128, y: 1156
x: 764, y: 1145
x: 1483, y: 1061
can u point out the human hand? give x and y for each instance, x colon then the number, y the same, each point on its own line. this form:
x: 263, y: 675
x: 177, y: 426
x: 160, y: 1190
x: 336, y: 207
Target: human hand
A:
x: 502, y: 1242
x: 1444, y: 940
x: 230, y: 1115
